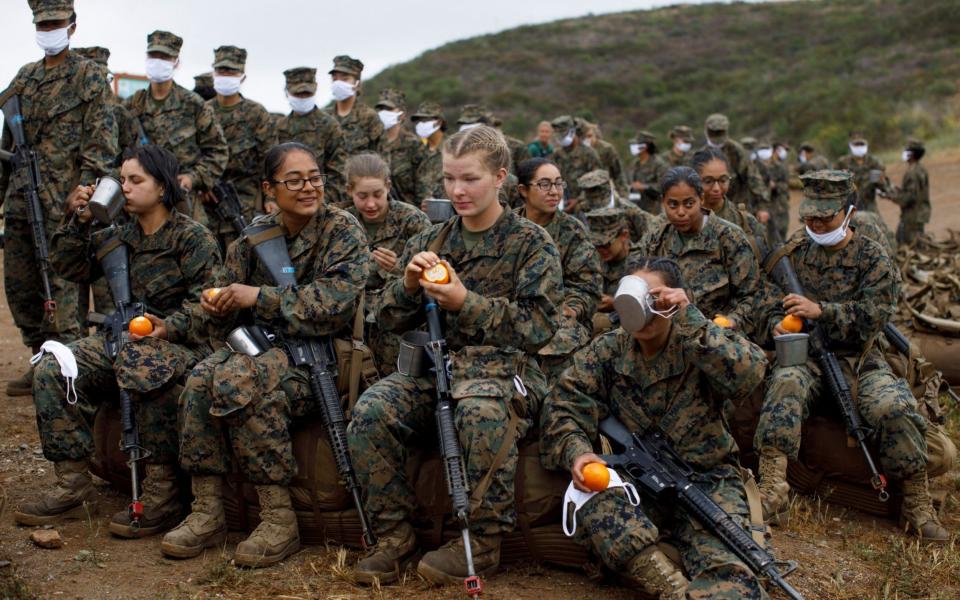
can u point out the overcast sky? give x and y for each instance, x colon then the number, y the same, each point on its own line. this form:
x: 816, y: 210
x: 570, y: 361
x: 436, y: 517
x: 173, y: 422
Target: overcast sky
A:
x: 279, y: 34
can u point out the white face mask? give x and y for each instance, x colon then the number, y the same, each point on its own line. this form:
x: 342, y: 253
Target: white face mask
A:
x: 160, y: 70
x: 831, y: 238
x: 467, y: 126
x: 588, y: 142
x: 753, y: 155
x: 427, y: 128
x: 683, y: 147
x: 802, y: 157
x: 782, y: 153
x: 566, y: 140
x: 907, y: 155
x: 765, y: 153
x: 636, y: 149
x: 227, y: 85
x: 53, y: 42
x: 858, y: 151
x: 389, y: 118
x: 342, y: 90
x: 302, y: 105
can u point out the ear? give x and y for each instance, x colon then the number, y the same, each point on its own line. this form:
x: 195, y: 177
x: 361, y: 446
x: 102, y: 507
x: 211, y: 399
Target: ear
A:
x: 72, y: 29
x: 267, y: 189
x: 501, y: 177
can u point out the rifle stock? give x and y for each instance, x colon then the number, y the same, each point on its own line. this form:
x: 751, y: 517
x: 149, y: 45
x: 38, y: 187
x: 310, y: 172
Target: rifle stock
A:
x: 227, y: 208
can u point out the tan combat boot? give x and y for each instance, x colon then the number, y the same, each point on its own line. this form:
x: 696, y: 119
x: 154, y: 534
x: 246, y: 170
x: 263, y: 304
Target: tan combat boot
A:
x: 657, y: 576
x: 74, y: 497
x: 773, y: 484
x: 205, y: 526
x: 21, y: 386
x: 161, y: 505
x: 389, y: 558
x: 277, y: 536
x: 448, y: 565
x: 917, y: 515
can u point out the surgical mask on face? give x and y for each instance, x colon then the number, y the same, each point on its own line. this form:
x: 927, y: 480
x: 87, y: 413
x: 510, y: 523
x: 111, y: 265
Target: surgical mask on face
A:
x: 302, y: 105
x: 53, y: 42
x: 753, y: 155
x: 635, y: 306
x: 588, y: 142
x: 858, y: 150
x: 427, y: 128
x: 831, y: 238
x: 765, y: 153
x: 782, y: 153
x: 389, y: 118
x: 160, y: 70
x: 227, y: 85
x: 342, y: 90
x: 566, y: 140
x: 907, y: 155
x: 683, y: 147
x: 636, y: 149
x: 802, y: 157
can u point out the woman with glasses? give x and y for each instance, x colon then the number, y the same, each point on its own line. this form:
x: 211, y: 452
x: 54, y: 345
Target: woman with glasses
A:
x: 238, y: 408
x: 714, y: 170
x: 541, y: 187
x: 714, y: 255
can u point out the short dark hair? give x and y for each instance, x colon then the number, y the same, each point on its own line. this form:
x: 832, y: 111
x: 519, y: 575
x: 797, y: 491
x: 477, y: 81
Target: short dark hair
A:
x: 917, y: 153
x: 162, y: 165
x: 528, y: 168
x: 665, y: 267
x: 678, y: 175
x: 701, y: 158
x: 276, y: 155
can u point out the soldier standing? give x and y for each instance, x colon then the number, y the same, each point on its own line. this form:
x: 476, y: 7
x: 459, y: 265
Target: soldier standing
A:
x: 679, y: 154
x: 780, y: 189
x: 402, y: 150
x: 746, y: 185
x: 572, y: 156
x: 127, y: 128
x: 869, y: 174
x: 913, y: 195
x: 203, y: 85
x: 430, y: 126
x: 645, y: 172
x: 540, y: 147
x: 65, y: 104
x: 808, y: 159
x: 361, y: 126
x: 609, y: 158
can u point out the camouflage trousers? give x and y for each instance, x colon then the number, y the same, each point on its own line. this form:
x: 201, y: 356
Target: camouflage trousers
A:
x: 385, y: 347
x: 240, y: 407
x: 618, y: 532
x: 149, y: 370
x: 398, y: 411
x: 24, y: 289
x: 884, y: 402
x: 909, y: 230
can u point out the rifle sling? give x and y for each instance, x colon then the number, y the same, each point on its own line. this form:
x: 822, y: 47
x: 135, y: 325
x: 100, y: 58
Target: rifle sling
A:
x: 267, y: 234
x: 784, y: 250
x: 108, y: 246
x: 758, y: 529
x: 356, y: 353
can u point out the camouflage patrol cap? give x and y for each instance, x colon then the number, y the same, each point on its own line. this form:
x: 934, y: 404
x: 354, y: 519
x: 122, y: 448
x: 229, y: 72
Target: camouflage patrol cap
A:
x: 165, y: 42
x: 605, y: 224
x: 427, y: 111
x: 764, y: 143
x: 681, y: 132
x: 473, y: 113
x: 301, y: 79
x: 348, y: 65
x: 97, y: 54
x: 644, y: 137
x: 748, y: 143
x: 857, y: 137
x: 392, y: 98
x: 914, y: 144
x: 51, y: 10
x: 825, y: 192
x: 717, y: 122
x: 593, y: 179
x: 229, y: 57
x: 807, y: 147
x: 563, y: 123
x: 203, y: 80
x: 582, y: 125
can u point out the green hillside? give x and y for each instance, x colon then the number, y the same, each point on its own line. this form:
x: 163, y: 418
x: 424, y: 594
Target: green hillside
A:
x: 801, y: 70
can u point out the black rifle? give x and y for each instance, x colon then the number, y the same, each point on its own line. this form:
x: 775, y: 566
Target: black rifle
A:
x: 833, y: 374
x: 26, y: 176
x: 227, y: 207
x: 664, y: 476
x: 450, y: 451
x: 319, y: 356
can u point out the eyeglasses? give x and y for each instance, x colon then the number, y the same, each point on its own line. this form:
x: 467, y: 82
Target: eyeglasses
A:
x: 295, y: 185
x: 710, y: 181
x: 822, y: 221
x: 544, y: 185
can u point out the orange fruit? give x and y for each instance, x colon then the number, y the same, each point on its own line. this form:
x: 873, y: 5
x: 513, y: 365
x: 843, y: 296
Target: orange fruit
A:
x: 212, y: 293
x: 438, y: 273
x: 141, y: 326
x: 722, y: 321
x: 792, y: 323
x: 596, y: 476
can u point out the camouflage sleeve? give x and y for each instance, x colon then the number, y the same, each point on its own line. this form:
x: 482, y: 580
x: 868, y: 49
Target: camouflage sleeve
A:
x: 397, y: 310
x: 910, y: 190
x: 582, y: 279
x: 71, y: 252
x: 571, y: 412
x: 759, y: 194
x: 99, y: 144
x: 200, y: 261
x: 863, y: 316
x: 334, y: 159
x: 528, y: 322
x: 213, y: 150
x: 326, y: 304
x: 429, y: 177
x: 618, y: 176
x: 6, y: 143
x: 744, y: 274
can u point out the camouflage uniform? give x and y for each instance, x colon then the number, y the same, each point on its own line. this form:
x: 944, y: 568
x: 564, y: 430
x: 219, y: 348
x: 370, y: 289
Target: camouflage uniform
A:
x: 913, y: 197
x: 610, y: 160
x: 514, y: 282
x: 573, y: 161
x: 746, y: 222
x: 430, y: 172
x: 681, y: 391
x: 582, y: 283
x: 248, y: 130
x: 746, y: 185
x: 779, y: 196
x: 857, y: 288
x: 317, y: 130
x: 168, y: 270
x: 604, y: 225
x: 718, y: 266
x: 127, y: 128
x: 402, y: 223
x: 361, y: 127
x: 241, y: 405
x: 70, y: 125
x: 650, y: 173
x: 680, y: 132
x: 872, y: 225
x: 203, y: 85
x: 596, y: 193
x: 869, y: 175
x: 816, y: 162
x: 404, y: 154
x: 183, y: 124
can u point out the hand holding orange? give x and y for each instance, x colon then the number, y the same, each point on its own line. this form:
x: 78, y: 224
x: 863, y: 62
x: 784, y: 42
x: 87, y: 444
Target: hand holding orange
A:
x: 141, y: 326
x: 596, y: 476
x: 212, y: 293
x: 792, y: 323
x: 438, y: 273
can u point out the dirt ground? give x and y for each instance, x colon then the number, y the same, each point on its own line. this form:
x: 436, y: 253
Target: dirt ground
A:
x: 842, y: 553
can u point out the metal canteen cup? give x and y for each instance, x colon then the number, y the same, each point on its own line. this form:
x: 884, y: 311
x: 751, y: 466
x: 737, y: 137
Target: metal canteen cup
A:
x: 251, y: 341
x: 439, y: 210
x: 107, y: 200
x: 413, y: 359
x: 792, y: 349
x: 631, y: 303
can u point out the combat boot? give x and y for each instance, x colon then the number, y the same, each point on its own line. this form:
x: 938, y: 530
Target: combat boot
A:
x: 390, y: 557
x: 73, y: 497
x: 205, y: 526
x: 448, y: 564
x: 773, y: 484
x: 277, y: 536
x: 21, y: 386
x: 657, y: 576
x: 161, y: 505
x: 917, y: 514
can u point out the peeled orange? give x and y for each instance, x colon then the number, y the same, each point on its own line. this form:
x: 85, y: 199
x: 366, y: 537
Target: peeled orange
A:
x: 141, y: 326
x: 212, y: 293
x: 438, y: 273
x: 723, y: 321
x: 792, y: 323
x: 596, y: 476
